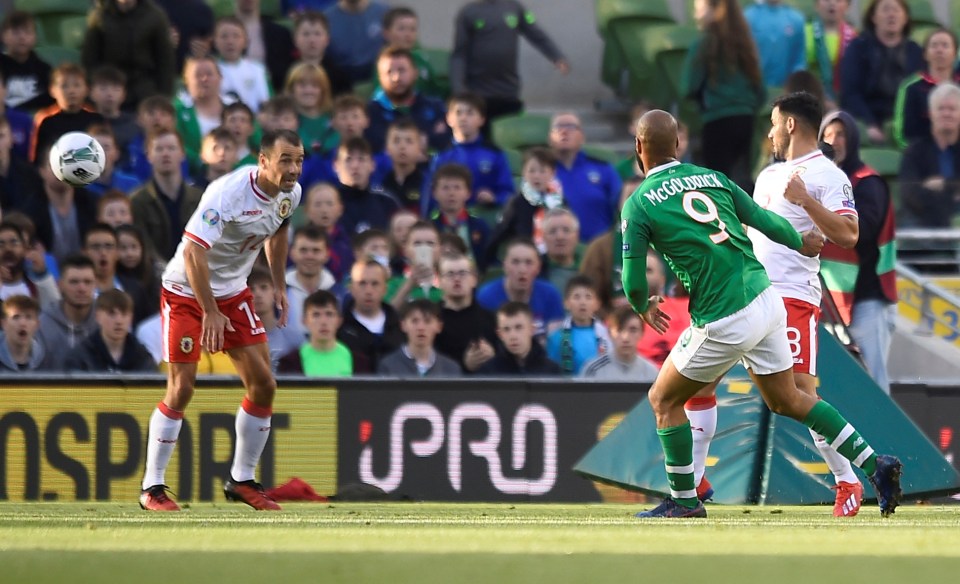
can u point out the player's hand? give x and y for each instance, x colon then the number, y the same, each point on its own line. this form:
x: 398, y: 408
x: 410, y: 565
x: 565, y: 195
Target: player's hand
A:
x: 796, y: 192
x: 657, y: 319
x: 812, y: 243
x: 282, y: 306
x: 485, y: 197
x: 211, y: 337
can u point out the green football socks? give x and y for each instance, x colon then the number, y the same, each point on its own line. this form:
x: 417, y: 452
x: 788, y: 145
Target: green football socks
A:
x: 677, y: 442
x: 825, y: 420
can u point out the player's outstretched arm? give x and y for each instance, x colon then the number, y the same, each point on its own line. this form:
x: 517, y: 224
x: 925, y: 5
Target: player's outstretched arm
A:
x: 769, y: 223
x: 277, y: 247
x: 843, y: 230
x: 198, y: 274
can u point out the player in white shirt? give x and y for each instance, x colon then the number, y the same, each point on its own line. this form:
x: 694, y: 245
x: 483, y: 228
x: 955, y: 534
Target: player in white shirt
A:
x: 205, y: 303
x: 809, y: 191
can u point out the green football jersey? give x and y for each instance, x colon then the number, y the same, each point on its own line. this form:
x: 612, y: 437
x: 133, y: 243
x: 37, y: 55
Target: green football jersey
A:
x: 693, y: 216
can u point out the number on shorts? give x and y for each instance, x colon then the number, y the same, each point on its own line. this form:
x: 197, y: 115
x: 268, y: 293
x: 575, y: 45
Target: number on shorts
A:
x: 250, y: 315
x: 793, y: 339
x: 709, y: 217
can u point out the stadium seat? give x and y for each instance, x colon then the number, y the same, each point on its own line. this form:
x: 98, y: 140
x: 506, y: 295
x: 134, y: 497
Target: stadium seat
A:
x: 364, y: 90
x: 520, y: 131
x: 608, y: 11
x: 72, y: 31
x: 667, y: 48
x: 53, y: 55
x: 439, y: 60
x: 515, y: 159
x: 923, y: 20
x: 621, y: 24
x: 604, y: 154
x: 271, y: 8
x: 886, y: 161
x: 807, y: 7
x: 38, y: 7
x: 221, y: 7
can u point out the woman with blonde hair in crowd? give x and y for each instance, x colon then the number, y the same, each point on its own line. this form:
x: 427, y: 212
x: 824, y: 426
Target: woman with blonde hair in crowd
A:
x: 309, y: 87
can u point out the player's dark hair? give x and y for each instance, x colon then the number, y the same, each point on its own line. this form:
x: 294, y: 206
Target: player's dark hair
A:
x: 348, y: 102
x: 395, y: 14
x: 99, y: 228
x: 542, y: 155
x: 156, y: 103
x: 113, y: 299
x: 17, y: 19
x: 421, y: 305
x: 520, y: 242
x: 321, y: 299
x: 355, y: 145
x: 237, y: 106
x: 312, y: 232
x: 271, y: 137
x: 392, y: 52
x: 515, y: 307
x: 577, y: 282
x: 802, y: 106
x: 804, y: 80
x: 76, y: 260
x: 108, y: 75
x: 471, y: 99
x: 310, y: 17
x: 621, y: 317
x: 20, y: 302
x: 451, y: 171
x: 259, y: 275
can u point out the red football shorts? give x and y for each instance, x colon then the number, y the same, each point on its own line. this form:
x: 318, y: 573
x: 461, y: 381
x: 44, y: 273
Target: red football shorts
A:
x: 802, y: 320
x: 181, y: 322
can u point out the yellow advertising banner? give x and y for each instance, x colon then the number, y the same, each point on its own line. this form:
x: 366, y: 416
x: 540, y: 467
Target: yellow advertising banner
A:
x: 910, y: 302
x: 61, y: 443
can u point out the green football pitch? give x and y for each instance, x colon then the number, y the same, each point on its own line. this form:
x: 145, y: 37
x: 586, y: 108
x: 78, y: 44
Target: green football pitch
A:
x: 419, y: 543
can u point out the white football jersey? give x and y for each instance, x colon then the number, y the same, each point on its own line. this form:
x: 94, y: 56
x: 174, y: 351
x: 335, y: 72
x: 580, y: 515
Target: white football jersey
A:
x: 794, y: 275
x: 232, y: 221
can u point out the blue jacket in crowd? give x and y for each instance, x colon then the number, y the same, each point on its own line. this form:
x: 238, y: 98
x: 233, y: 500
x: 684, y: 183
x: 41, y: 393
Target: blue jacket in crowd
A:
x: 487, y: 163
x: 591, y: 188
x: 428, y: 113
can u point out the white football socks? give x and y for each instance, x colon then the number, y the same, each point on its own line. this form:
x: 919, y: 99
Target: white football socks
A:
x: 702, y: 413
x: 161, y: 438
x: 836, y: 462
x: 253, y: 430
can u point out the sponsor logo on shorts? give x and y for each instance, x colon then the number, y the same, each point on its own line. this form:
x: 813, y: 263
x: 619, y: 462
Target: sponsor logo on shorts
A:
x: 186, y: 344
x: 685, y: 339
x: 211, y: 217
x: 286, y: 208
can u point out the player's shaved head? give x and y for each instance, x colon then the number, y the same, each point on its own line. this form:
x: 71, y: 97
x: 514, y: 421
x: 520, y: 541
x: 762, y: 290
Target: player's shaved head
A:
x: 657, y: 133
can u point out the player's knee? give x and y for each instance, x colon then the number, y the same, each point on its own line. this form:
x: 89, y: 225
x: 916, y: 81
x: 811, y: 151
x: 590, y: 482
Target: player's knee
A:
x: 263, y: 390
x: 787, y: 405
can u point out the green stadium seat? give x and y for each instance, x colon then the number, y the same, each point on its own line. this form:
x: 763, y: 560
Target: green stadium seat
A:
x: 520, y: 131
x: 621, y: 23
x: 608, y: 11
x: 221, y: 7
x: 515, y: 159
x: 271, y: 8
x: 72, y: 31
x: 668, y: 48
x: 37, y: 7
x: 364, y: 90
x: 54, y: 56
x: 604, y: 154
x: 439, y: 60
x: 643, y: 76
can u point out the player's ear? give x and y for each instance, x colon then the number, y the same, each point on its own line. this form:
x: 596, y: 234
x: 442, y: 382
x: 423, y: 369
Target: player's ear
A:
x: 791, y: 123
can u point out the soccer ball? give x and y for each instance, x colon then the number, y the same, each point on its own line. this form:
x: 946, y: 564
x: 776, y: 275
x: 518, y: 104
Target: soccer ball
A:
x: 77, y: 159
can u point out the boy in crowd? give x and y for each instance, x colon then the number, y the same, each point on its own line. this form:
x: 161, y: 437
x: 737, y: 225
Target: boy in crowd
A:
x: 519, y: 354
x: 323, y: 209
x: 311, y: 37
x: 470, y: 331
x: 279, y: 113
x: 370, y: 325
x: 154, y: 114
x: 403, y: 172
x: 492, y: 180
x: 280, y: 339
x: 68, y: 86
x: 111, y: 177
x: 100, y: 245
x: 582, y: 336
x: 20, y: 349
x: 244, y: 79
x: 623, y: 363
x: 373, y: 244
x: 218, y: 153
x: 111, y: 348
x: 421, y: 252
x: 349, y: 119
x: 450, y: 186
x: 363, y: 207
x: 108, y: 90
x: 309, y: 253
x: 115, y: 209
x: 27, y: 76
x: 240, y: 120
x: 322, y: 355
x: 420, y: 322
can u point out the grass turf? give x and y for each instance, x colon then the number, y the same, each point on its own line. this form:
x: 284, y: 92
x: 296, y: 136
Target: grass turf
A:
x: 451, y: 543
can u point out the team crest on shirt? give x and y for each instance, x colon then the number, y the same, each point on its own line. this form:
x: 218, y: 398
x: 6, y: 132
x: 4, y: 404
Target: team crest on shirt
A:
x: 211, y: 217
x: 800, y: 170
x: 593, y: 176
x: 486, y: 166
x: 186, y: 344
x: 285, y: 209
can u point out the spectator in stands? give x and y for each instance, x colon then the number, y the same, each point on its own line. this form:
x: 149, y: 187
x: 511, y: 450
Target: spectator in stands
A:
x: 373, y: 244
x: 363, y: 207
x: 582, y: 336
x: 19, y: 180
x: 162, y: 206
x: 561, y: 236
x: 68, y: 86
x: 108, y: 90
x: 20, y: 349
x: 100, y: 245
x: 418, y: 277
x: 540, y: 191
x: 20, y: 125
x: 137, y: 262
x: 398, y: 98
x: 778, y: 31
x: 622, y: 363
x: 356, y: 36
x: 876, y: 63
x: 311, y: 37
x: 400, y: 224
x: 867, y: 305
x: 294, y: 8
x: 268, y: 42
x: 349, y: 121
x: 323, y: 209
x: 280, y: 339
x: 191, y: 24
x: 65, y: 323
x: 240, y: 120
x: 370, y: 325
x: 403, y: 173
x: 114, y: 209
x: 133, y: 35
x: 322, y: 355
x: 488, y: 164
x: 26, y: 76
x: 521, y: 264
x: 911, y: 116
x: 450, y: 186
x: 309, y: 88
x: 15, y: 277
x: 452, y: 244
x: 111, y: 177
x: 486, y: 52
x: 279, y: 113
x: 519, y: 353
x: 827, y: 36
x: 420, y: 323
x: 202, y: 109
x: 218, y: 153
x: 61, y: 213
x: 309, y: 253
x: 469, y: 332
x: 112, y: 348
x: 400, y: 29
x: 154, y: 113
x: 930, y: 168
x: 244, y: 79
x: 37, y: 260
x: 591, y: 186
x: 722, y: 73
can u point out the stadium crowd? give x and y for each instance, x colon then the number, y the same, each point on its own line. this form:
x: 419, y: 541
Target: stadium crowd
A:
x: 420, y: 248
